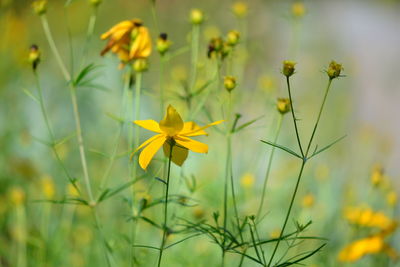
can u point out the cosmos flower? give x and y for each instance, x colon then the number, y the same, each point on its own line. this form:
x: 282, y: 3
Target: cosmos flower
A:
x: 172, y: 133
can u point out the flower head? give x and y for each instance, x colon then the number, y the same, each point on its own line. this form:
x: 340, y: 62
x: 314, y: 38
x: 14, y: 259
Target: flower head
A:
x: 334, y: 70
x: 298, y: 9
x: 283, y: 105
x: 240, y: 9
x: 163, y: 43
x: 40, y: 7
x: 229, y: 83
x: 173, y: 134
x: 129, y: 40
x: 34, y: 56
x: 232, y: 38
x: 288, y: 68
x: 196, y: 16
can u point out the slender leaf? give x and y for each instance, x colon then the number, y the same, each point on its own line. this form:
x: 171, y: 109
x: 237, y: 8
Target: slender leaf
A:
x: 283, y: 148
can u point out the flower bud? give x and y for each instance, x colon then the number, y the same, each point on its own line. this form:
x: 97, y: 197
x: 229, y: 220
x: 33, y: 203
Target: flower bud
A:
x: 288, y: 68
x: 298, y: 9
x: 95, y: 3
x: 283, y: 105
x: 196, y: 16
x: 334, y: 69
x: 232, y: 38
x: 40, y: 7
x: 229, y: 83
x: 140, y: 65
x: 34, y: 56
x: 163, y: 43
x: 240, y: 9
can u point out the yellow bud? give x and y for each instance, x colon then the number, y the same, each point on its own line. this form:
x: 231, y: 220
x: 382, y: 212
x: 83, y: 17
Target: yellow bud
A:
x: 283, y: 105
x: 95, y: 3
x: 163, y: 43
x: 34, y: 56
x: 298, y: 9
x: 240, y: 9
x: 140, y: 65
x: 334, y: 70
x: 196, y: 16
x: 229, y: 83
x: 288, y: 68
x: 40, y: 7
x: 232, y: 38
x: 17, y: 196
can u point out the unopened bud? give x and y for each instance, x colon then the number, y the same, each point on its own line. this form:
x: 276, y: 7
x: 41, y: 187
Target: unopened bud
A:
x: 232, y: 38
x: 34, y: 56
x: 140, y: 65
x: 283, y: 105
x: 163, y: 44
x: 40, y: 7
x: 95, y: 3
x: 334, y: 70
x: 288, y: 68
x: 196, y: 16
x: 229, y: 83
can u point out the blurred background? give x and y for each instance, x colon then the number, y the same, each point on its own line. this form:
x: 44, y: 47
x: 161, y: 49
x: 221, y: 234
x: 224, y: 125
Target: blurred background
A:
x: 360, y: 171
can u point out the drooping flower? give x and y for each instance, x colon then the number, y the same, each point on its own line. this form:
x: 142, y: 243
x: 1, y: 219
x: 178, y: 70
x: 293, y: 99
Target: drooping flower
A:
x: 172, y: 133
x: 129, y: 40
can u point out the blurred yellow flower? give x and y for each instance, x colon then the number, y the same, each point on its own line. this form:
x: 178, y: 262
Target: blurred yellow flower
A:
x: 308, y: 200
x: 48, y: 188
x: 288, y: 68
x: 377, y: 175
x: 360, y: 248
x: 163, y: 43
x: 298, y: 9
x: 17, y: 196
x: 240, y: 9
x: 367, y: 217
x: 172, y: 132
x: 229, y: 83
x: 196, y: 16
x: 247, y: 180
x: 129, y: 40
x: 391, y: 198
x: 283, y: 105
x: 334, y: 70
x: 39, y: 7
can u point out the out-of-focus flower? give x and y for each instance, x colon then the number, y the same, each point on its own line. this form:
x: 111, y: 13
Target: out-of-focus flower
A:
x: 218, y: 49
x: 377, y: 175
x: 95, y: 3
x: 34, y: 56
x: 172, y: 132
x: 391, y: 198
x: 288, y: 68
x: 367, y: 217
x: 163, y: 44
x: 283, y: 105
x: 140, y: 65
x: 48, y: 188
x: 308, y: 201
x: 17, y: 196
x: 298, y: 9
x: 334, y: 70
x: 129, y: 40
x: 247, y: 180
x: 240, y: 9
x: 196, y: 16
x: 198, y: 213
x: 229, y: 83
x: 39, y: 7
x: 232, y: 38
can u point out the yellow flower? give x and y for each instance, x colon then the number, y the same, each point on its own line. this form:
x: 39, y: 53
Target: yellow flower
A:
x: 173, y: 134
x: 232, y: 38
x: 39, y: 7
x: 34, y: 56
x: 334, y: 70
x: 298, y: 9
x: 247, y: 180
x: 360, y: 248
x: 229, y: 83
x: 48, y: 187
x: 367, y: 217
x: 288, y: 68
x: 163, y: 43
x: 391, y: 198
x: 196, y: 16
x: 17, y: 196
x: 377, y: 175
x: 283, y: 105
x: 240, y: 9
x: 308, y: 201
x: 129, y: 40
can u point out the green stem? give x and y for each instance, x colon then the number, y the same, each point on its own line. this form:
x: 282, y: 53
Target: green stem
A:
x: 294, y: 116
x: 162, y: 93
x: 319, y: 115
x: 271, y: 156
x: 194, y: 56
x: 154, y: 15
x: 89, y: 35
x: 165, y: 227
x: 53, y: 47
x: 21, y: 244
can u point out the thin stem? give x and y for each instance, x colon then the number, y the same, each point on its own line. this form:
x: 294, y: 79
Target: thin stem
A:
x: 89, y: 35
x: 49, y: 129
x: 294, y: 116
x: 165, y: 227
x: 154, y: 15
x: 194, y: 56
x: 80, y: 142
x: 162, y: 93
x: 288, y: 212
x: 319, y: 116
x: 53, y: 47
x: 271, y: 156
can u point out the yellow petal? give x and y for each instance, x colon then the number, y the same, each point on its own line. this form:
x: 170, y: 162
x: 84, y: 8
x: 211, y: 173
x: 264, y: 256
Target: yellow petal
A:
x: 141, y: 46
x: 191, y: 144
x: 149, y: 151
x: 179, y: 154
x: 172, y: 123
x: 145, y: 143
x: 199, y: 130
x: 118, y: 29
x: 150, y: 125
x: 192, y: 129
